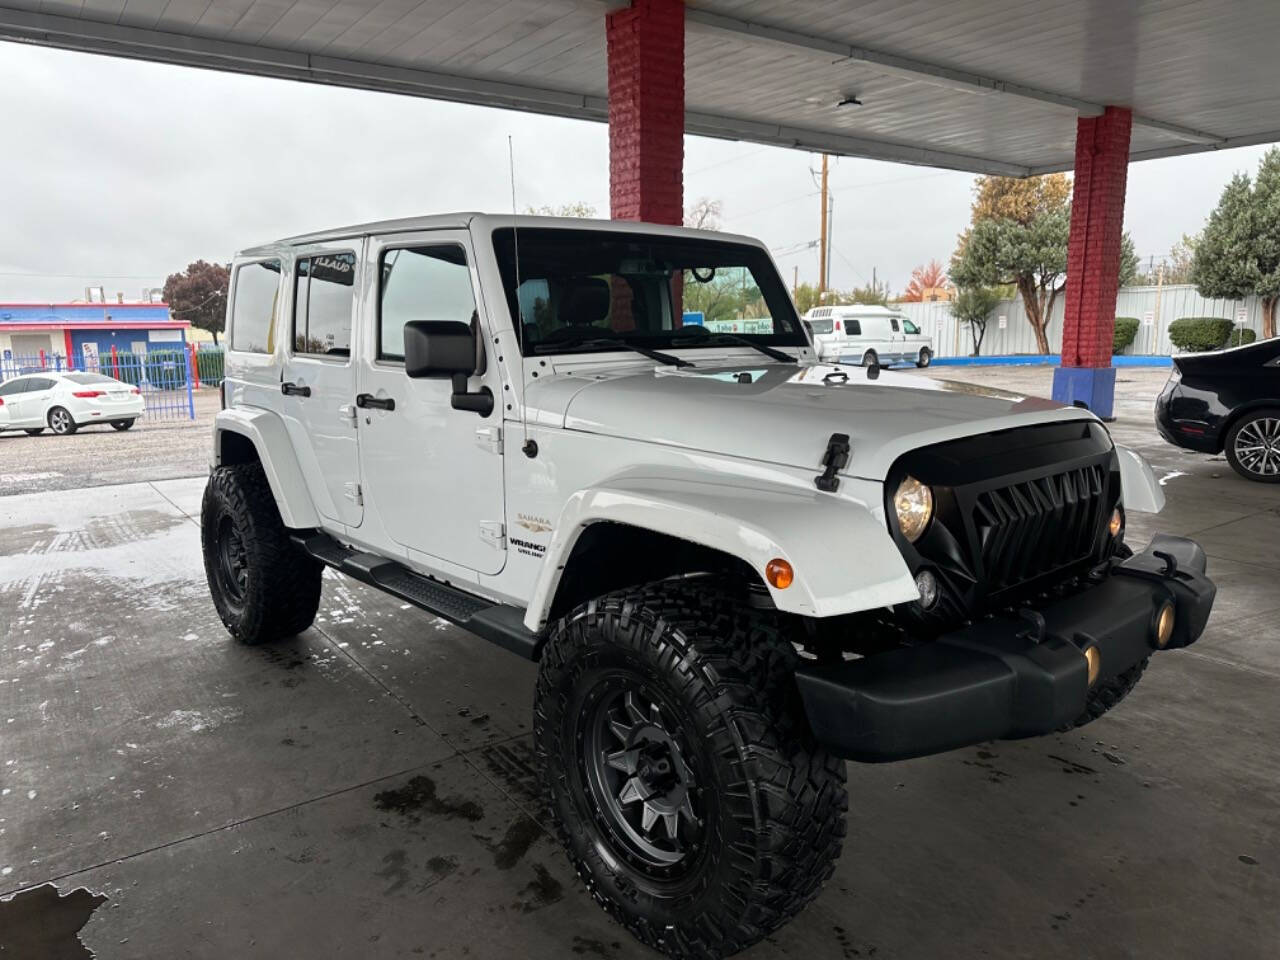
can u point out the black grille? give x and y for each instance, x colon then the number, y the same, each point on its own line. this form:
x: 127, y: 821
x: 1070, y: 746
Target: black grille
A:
x: 1028, y: 529
x: 1017, y: 512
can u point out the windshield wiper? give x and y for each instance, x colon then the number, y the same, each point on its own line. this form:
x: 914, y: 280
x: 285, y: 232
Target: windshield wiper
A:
x: 573, y: 343
x: 714, y: 338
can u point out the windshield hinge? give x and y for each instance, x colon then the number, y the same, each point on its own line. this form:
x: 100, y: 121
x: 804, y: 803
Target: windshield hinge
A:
x: 489, y: 438
x: 834, y: 460
x: 494, y: 533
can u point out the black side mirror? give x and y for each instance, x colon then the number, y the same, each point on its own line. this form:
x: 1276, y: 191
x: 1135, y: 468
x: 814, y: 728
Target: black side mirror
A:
x: 436, y: 349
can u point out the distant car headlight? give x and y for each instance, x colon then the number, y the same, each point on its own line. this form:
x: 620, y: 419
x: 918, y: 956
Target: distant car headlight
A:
x: 913, y: 504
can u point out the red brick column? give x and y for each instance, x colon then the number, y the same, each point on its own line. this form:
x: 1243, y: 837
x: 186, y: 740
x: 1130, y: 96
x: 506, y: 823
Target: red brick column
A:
x: 1093, y: 260
x: 646, y: 111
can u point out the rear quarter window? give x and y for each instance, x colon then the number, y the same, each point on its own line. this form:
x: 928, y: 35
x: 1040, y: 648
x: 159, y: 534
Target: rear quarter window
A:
x: 255, y: 306
x: 820, y: 324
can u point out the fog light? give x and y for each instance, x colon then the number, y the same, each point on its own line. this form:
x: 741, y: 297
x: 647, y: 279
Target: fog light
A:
x: 1093, y: 657
x: 1164, y: 626
x: 927, y: 585
x: 1117, y: 522
x: 779, y: 573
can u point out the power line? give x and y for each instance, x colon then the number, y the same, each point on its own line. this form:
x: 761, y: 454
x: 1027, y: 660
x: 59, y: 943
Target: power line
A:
x: 88, y: 273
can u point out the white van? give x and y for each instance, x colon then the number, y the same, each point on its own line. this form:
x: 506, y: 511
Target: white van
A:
x: 863, y: 334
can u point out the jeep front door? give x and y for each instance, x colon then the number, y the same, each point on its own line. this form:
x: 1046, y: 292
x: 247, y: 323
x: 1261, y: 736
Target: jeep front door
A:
x: 433, y: 473
x: 318, y: 381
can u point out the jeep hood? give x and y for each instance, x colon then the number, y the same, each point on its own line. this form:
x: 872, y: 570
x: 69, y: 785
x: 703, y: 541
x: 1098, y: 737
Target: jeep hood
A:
x: 786, y: 413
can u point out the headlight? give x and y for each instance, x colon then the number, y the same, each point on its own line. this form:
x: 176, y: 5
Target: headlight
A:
x: 914, y: 505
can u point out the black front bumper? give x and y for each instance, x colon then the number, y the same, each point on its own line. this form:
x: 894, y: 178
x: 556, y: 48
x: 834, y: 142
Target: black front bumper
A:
x: 1004, y: 678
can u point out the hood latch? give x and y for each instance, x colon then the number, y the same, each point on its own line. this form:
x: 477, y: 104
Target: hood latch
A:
x: 834, y: 460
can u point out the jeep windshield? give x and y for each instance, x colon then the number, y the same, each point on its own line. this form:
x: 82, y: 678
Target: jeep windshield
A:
x: 600, y: 290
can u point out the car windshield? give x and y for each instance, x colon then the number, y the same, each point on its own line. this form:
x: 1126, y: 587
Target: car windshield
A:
x: 586, y: 290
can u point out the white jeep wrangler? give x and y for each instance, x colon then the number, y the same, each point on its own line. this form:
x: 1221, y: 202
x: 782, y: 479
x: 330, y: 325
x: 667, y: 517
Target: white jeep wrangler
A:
x: 736, y: 566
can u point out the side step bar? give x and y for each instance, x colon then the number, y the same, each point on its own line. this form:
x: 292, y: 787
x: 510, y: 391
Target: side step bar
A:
x: 498, y: 622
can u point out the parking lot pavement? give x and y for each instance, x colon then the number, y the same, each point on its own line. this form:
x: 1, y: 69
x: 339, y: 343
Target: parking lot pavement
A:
x: 367, y: 789
x: 98, y: 455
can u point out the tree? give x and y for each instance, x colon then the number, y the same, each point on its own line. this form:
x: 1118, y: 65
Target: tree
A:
x: 973, y: 305
x: 924, y: 279
x: 199, y: 295
x: 579, y: 208
x: 1019, y: 236
x: 871, y: 293
x: 704, y: 214
x: 806, y: 297
x: 1239, y: 251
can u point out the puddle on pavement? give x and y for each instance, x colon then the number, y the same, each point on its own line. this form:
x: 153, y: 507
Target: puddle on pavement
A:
x: 418, y: 797
x: 39, y: 922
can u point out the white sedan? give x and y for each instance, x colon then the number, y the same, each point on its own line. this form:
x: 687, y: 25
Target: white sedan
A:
x: 64, y: 402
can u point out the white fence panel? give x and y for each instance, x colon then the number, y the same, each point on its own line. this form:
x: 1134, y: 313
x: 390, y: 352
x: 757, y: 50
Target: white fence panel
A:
x: 1165, y: 304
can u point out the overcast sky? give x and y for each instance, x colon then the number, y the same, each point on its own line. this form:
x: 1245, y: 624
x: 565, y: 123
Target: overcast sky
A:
x: 118, y: 172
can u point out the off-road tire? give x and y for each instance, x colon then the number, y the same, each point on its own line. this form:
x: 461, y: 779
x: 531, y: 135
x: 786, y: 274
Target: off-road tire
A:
x: 122, y: 424
x: 34, y: 431
x: 62, y: 422
x: 870, y: 357
x: 773, y: 803
x: 1265, y: 421
x: 1108, y: 693
x: 925, y: 358
x: 281, y: 589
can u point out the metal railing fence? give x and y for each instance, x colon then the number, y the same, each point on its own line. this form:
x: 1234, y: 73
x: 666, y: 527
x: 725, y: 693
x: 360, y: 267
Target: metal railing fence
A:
x: 164, y: 377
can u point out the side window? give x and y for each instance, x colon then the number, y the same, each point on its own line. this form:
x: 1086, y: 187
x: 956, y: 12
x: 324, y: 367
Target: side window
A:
x: 39, y: 383
x: 324, y: 292
x: 13, y: 386
x: 421, y: 283
x: 853, y: 328
x: 893, y: 322
x: 910, y: 327
x: 253, y: 315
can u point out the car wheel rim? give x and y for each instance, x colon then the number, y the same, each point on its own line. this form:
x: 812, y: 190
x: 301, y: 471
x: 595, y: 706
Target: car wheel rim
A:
x: 233, y: 566
x: 639, y: 775
x: 1257, y: 446
x: 58, y: 419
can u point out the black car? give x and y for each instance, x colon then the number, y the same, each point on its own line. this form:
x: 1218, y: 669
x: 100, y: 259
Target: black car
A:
x: 1227, y: 401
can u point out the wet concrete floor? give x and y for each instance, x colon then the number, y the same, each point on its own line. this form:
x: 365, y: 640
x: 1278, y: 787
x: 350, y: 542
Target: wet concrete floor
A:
x: 365, y: 790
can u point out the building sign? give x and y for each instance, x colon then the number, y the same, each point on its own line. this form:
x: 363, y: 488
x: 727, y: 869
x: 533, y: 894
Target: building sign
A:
x: 695, y: 318
x: 1003, y: 322
x: 90, y: 353
x: 1242, y: 315
x: 1149, y: 319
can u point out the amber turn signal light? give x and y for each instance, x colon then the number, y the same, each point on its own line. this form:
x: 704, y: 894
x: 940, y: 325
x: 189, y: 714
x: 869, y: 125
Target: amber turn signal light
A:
x: 1117, y: 522
x: 779, y: 573
x: 1093, y: 657
x: 1164, y: 626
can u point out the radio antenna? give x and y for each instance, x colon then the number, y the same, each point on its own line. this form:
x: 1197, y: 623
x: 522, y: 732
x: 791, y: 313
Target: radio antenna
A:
x: 530, y: 447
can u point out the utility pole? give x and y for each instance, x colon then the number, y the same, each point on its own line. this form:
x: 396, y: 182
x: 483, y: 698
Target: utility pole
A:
x: 831, y: 230
x: 795, y: 281
x: 822, y: 253
x: 1155, y: 320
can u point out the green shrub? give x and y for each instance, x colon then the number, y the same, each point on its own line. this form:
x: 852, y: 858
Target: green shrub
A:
x: 167, y: 369
x: 1198, y: 334
x: 1240, y: 336
x: 1125, y: 332
x: 210, y: 365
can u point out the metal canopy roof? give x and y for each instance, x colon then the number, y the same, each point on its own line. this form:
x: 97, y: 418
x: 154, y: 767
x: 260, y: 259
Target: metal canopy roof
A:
x: 991, y: 86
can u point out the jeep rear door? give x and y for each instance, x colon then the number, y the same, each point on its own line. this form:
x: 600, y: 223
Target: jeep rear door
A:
x: 433, y: 474
x: 318, y: 380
